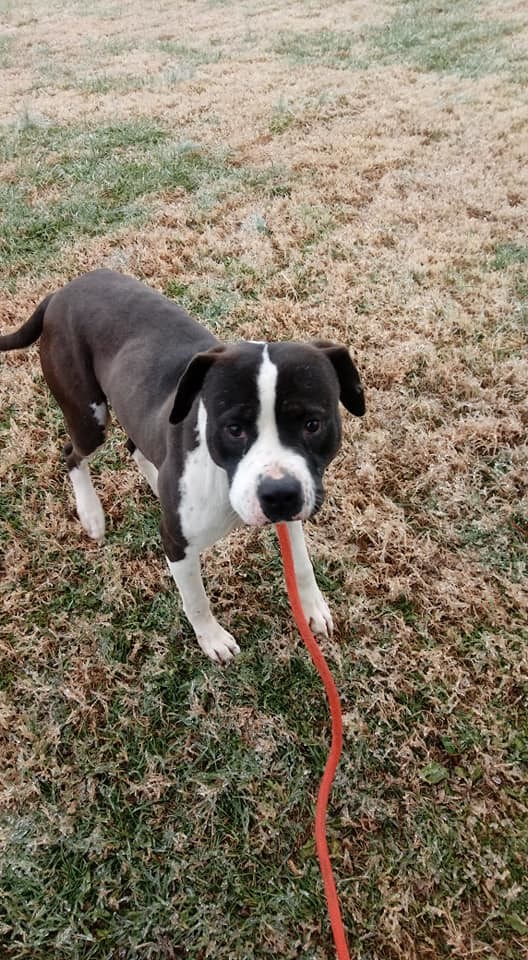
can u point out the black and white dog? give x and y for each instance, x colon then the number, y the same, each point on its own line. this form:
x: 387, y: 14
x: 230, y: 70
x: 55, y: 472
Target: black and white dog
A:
x: 224, y: 433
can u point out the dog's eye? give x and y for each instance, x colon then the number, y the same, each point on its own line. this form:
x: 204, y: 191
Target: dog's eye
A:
x: 236, y: 431
x: 312, y: 426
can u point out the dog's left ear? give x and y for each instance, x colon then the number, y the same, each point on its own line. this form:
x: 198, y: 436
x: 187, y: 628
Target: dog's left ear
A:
x: 191, y: 382
x: 351, y: 396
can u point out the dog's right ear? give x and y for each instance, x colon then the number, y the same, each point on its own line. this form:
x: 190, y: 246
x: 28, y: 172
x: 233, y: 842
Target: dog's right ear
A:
x: 191, y: 382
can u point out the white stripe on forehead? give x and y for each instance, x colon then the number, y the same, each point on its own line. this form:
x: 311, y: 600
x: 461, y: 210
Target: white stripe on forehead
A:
x: 267, y: 395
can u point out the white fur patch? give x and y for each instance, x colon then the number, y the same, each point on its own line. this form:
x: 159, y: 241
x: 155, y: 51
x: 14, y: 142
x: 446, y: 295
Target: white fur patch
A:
x: 100, y: 412
x: 268, y: 457
x: 206, y: 514
x: 89, y: 509
x: 148, y: 470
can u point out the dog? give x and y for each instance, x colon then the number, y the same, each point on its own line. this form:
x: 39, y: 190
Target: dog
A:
x: 224, y: 433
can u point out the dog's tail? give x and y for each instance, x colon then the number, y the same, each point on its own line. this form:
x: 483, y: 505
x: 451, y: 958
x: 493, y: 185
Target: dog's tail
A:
x: 29, y: 332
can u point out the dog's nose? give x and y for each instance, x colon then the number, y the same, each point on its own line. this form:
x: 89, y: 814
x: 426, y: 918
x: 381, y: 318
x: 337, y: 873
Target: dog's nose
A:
x: 280, y: 499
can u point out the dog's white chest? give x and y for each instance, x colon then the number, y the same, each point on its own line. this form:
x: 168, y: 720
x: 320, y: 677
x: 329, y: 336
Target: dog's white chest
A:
x: 205, y: 511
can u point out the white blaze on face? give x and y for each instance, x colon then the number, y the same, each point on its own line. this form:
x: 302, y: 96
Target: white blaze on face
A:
x: 268, y: 457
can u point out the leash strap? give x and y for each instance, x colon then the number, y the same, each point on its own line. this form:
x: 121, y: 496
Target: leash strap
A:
x: 319, y: 661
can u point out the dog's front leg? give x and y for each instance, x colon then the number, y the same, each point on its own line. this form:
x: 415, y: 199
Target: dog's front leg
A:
x: 216, y: 642
x: 314, y: 605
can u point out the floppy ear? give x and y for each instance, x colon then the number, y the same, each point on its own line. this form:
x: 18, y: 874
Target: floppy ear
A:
x: 352, y: 396
x: 191, y: 382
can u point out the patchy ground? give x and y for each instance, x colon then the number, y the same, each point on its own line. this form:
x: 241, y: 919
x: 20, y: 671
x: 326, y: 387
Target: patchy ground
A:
x: 349, y: 170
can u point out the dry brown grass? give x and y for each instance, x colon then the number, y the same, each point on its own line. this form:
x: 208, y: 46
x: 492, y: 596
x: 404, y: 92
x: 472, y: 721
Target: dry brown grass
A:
x: 398, y: 226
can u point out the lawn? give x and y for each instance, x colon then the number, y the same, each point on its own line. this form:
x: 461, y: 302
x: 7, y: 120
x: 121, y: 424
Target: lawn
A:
x: 346, y: 170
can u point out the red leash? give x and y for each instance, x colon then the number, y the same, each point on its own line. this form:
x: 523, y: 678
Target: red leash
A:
x: 332, y: 899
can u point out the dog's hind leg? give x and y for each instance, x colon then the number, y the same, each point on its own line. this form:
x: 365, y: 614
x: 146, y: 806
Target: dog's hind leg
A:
x: 87, y: 503
x: 83, y: 404
x: 86, y: 436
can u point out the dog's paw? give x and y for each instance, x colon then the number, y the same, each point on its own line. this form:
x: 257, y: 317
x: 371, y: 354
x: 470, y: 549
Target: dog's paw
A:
x: 93, y: 520
x: 218, y: 644
x: 317, y: 613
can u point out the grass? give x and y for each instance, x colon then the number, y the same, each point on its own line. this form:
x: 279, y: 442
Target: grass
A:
x: 329, y: 172
x: 5, y: 55
x: 446, y: 37
x: 214, y: 305
x: 189, y: 54
x: 101, y: 84
x: 507, y: 254
x: 70, y: 182
x: 333, y: 48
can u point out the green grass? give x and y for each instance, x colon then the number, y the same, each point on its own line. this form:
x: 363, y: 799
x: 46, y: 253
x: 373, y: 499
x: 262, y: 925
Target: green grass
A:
x: 189, y: 54
x: 213, y: 304
x: 447, y: 37
x: 6, y: 60
x: 95, y: 178
x: 184, y: 60
x: 108, y: 83
x: 508, y: 254
x: 513, y: 257
x: 220, y: 302
x: 333, y: 48
x: 282, y: 118
x: 502, y: 545
x: 66, y: 183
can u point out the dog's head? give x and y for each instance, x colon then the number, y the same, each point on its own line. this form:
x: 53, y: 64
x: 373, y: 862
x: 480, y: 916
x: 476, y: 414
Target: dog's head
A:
x: 273, y: 420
